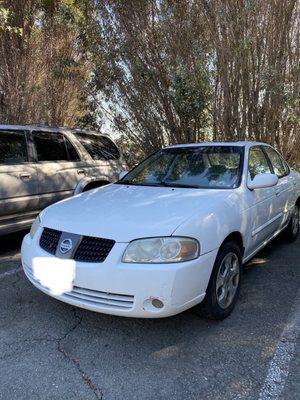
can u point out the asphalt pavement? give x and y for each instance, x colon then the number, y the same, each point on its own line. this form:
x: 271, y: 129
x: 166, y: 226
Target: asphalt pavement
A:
x: 51, y: 350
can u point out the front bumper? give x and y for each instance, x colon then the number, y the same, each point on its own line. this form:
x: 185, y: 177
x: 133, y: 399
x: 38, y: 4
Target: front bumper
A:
x: 117, y: 288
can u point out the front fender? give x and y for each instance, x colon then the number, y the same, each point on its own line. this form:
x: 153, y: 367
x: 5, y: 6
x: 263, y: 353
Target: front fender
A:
x: 85, y: 181
x: 212, y: 223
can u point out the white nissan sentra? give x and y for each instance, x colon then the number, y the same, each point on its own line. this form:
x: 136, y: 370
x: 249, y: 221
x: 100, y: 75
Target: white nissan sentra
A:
x: 171, y: 234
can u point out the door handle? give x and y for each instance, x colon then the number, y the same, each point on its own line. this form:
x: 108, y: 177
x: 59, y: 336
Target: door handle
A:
x: 80, y: 171
x: 25, y: 176
x: 278, y: 192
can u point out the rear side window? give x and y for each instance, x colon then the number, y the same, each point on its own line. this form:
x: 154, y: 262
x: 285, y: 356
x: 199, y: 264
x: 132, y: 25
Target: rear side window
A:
x: 72, y: 152
x: 53, y: 146
x: 13, y: 148
x: 99, y: 147
x: 258, y: 163
x: 279, y: 167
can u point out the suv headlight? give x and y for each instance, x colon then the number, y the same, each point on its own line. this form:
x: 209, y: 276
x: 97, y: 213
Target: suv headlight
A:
x: 161, y: 250
x: 34, y: 227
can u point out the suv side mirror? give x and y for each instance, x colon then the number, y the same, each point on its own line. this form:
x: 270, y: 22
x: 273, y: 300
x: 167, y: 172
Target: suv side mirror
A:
x: 122, y: 174
x: 263, y: 181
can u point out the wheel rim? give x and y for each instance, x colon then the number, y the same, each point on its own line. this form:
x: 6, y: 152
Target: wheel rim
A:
x: 227, y: 280
x: 295, y: 220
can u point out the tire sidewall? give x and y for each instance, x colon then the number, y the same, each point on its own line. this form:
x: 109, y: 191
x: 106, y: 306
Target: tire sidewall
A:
x: 298, y: 211
x: 290, y: 235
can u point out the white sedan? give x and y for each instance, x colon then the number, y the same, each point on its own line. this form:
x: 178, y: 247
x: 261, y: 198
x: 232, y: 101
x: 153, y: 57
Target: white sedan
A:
x: 171, y: 234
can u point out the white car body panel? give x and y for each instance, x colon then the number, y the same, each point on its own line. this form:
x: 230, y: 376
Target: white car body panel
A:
x: 131, y: 212
x: 124, y: 213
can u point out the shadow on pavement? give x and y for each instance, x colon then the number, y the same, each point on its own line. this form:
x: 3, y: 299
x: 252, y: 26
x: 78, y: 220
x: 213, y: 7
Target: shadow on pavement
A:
x: 11, y: 243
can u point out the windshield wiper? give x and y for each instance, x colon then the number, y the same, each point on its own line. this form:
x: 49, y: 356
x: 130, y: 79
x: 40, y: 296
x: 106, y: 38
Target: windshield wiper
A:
x: 178, y: 185
x: 158, y: 184
x: 124, y: 182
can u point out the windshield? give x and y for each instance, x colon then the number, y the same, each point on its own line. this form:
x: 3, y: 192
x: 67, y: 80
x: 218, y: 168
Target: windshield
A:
x: 215, y: 167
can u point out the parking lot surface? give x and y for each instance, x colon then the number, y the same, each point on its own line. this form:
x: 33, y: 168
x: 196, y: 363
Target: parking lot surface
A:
x: 51, y: 350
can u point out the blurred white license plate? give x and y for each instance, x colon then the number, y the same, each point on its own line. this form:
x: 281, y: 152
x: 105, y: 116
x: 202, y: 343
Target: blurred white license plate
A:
x: 55, y: 274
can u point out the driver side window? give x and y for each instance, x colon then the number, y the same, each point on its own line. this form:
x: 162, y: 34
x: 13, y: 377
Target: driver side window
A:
x: 258, y: 163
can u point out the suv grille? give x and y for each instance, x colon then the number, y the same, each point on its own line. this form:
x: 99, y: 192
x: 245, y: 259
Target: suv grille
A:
x: 49, y: 240
x: 90, y: 249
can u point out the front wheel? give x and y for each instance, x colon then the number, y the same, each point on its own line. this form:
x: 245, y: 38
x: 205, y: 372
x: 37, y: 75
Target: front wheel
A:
x: 224, y: 285
x: 292, y: 231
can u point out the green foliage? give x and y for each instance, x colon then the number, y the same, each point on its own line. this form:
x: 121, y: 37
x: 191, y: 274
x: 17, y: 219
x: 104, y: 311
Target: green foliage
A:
x: 191, y: 92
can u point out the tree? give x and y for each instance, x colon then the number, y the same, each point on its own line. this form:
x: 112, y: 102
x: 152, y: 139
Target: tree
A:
x: 161, y: 71
x: 42, y: 74
x: 152, y: 71
x: 256, y: 71
x: 169, y: 71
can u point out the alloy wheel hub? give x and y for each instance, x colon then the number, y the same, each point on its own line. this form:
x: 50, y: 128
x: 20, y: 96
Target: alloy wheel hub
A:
x: 227, y: 280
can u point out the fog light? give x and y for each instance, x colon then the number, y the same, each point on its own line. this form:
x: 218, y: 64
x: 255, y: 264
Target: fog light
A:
x: 157, y: 303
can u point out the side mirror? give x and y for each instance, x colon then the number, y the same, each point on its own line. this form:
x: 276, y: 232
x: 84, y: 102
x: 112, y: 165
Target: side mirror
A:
x: 122, y: 174
x: 263, y: 181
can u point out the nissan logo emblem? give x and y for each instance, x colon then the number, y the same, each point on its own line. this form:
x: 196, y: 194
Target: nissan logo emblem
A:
x: 65, y: 246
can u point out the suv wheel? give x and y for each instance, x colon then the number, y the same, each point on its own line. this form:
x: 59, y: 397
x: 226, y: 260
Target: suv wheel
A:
x: 224, y: 285
x: 292, y: 230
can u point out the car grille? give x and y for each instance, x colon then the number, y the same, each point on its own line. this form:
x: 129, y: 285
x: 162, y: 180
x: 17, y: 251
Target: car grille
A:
x: 90, y: 297
x: 93, y: 249
x: 49, y: 240
x: 90, y: 249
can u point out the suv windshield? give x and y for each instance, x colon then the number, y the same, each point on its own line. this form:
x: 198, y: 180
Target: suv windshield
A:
x: 214, y: 167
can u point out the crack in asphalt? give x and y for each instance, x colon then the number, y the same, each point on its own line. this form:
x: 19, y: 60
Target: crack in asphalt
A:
x: 76, y: 362
x: 14, y: 284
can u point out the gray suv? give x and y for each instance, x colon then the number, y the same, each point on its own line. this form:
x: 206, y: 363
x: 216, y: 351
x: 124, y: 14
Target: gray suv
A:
x: 41, y: 165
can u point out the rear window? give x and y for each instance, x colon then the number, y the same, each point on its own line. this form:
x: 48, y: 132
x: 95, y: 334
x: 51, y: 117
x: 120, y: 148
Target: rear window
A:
x: 52, y: 146
x: 13, y: 148
x: 99, y: 147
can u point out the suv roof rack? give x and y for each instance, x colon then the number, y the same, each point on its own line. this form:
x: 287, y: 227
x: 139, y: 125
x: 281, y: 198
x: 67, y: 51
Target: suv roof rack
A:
x: 55, y: 127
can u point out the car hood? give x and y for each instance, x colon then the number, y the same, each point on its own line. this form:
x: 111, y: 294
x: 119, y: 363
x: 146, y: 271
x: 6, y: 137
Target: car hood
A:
x: 124, y: 213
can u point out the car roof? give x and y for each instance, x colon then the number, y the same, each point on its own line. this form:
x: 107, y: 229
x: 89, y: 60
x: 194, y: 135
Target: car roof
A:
x: 49, y: 128
x: 242, y: 143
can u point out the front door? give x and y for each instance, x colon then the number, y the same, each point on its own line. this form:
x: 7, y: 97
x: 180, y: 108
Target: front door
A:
x: 264, y: 214
x: 18, y: 179
x: 285, y: 186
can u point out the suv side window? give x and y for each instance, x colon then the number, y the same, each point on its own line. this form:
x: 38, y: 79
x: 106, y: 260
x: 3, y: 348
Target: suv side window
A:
x: 99, y: 147
x: 72, y: 152
x: 53, y: 146
x: 13, y: 147
x: 258, y: 163
x: 278, y: 165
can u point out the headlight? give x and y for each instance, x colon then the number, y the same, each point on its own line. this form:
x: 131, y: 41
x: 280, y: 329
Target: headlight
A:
x: 161, y: 250
x: 35, y: 226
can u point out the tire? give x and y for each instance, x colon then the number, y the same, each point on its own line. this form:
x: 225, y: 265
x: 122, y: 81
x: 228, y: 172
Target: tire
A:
x: 218, y: 304
x: 292, y: 230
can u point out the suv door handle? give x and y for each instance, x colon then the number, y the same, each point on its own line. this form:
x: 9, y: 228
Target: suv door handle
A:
x: 80, y: 171
x: 277, y: 192
x: 25, y: 176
